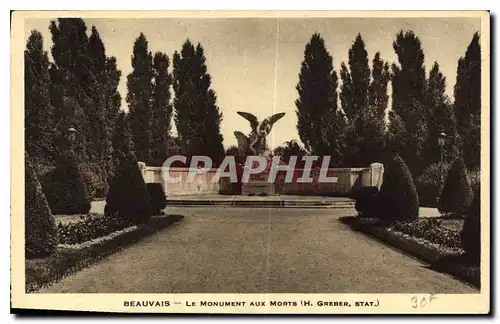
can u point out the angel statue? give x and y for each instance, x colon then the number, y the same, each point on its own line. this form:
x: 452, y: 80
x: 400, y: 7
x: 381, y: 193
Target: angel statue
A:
x: 255, y: 143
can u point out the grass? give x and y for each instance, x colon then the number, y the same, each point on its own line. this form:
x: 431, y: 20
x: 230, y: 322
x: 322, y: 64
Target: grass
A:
x: 43, y: 272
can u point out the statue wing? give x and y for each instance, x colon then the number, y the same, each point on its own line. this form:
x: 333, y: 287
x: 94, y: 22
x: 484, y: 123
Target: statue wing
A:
x: 243, y: 141
x: 271, y: 120
x: 254, y: 122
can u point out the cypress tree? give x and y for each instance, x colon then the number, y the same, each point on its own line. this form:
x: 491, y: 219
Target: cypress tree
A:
x: 40, y: 229
x: 408, y: 97
x: 440, y: 119
x: 197, y: 116
x: 38, y: 109
x: 471, y: 230
x: 161, y: 109
x: 362, y: 101
x: 456, y: 195
x: 468, y: 103
x: 139, y: 86
x: 71, y: 79
x: 121, y: 139
x: 356, y: 80
x: 319, y: 120
x: 381, y: 75
x: 398, y: 195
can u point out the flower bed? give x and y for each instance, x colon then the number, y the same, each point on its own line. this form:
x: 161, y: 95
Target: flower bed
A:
x: 70, y: 258
x: 89, y: 228
x: 429, y: 231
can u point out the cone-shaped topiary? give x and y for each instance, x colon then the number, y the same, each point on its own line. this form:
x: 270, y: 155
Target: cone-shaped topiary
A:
x: 128, y: 197
x: 471, y: 231
x: 40, y: 228
x: 398, y: 198
x: 157, y: 197
x: 456, y: 195
x: 66, y: 192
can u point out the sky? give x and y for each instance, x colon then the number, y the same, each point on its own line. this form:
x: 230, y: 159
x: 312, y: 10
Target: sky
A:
x: 255, y: 62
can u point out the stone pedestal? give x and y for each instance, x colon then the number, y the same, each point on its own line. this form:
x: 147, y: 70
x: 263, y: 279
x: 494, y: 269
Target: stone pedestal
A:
x: 263, y: 188
x: 258, y: 184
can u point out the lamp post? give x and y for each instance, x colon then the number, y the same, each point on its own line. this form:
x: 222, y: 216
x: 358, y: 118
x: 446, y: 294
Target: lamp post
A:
x: 441, y: 142
x: 71, y: 137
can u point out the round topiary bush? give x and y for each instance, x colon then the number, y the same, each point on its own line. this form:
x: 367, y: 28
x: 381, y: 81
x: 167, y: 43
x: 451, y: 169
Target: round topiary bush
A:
x: 398, y: 198
x: 156, y: 197
x: 40, y: 228
x: 456, y: 195
x: 66, y: 192
x: 471, y: 231
x: 367, y: 201
x: 128, y: 196
x: 429, y: 184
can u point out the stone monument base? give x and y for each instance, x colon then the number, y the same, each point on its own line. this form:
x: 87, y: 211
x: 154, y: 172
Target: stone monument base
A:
x: 258, y: 189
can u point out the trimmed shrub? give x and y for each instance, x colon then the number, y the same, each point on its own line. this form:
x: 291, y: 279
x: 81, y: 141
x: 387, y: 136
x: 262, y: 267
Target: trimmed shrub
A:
x: 429, y: 184
x: 65, y: 189
x: 456, y: 195
x: 367, y: 201
x: 88, y: 228
x: 128, y: 196
x: 94, y: 178
x: 471, y: 231
x: 156, y: 197
x: 39, y: 225
x: 475, y: 179
x: 398, y: 195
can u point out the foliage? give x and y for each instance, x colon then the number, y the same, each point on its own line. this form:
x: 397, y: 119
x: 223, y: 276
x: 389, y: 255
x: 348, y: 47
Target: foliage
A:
x: 139, y: 89
x: 66, y: 192
x: 88, y: 228
x: 367, y: 201
x: 43, y: 272
x: 456, y: 195
x: 197, y: 116
x: 430, y: 230
x: 471, y: 232
x: 355, y: 80
x: 289, y: 149
x: 475, y: 179
x: 430, y: 183
x: 398, y: 195
x: 128, y: 197
x: 40, y: 229
x: 317, y: 112
x: 161, y: 109
x: 378, y: 97
x: 468, y: 103
x: 440, y: 118
x: 38, y: 111
x: 364, y: 101
x: 156, y: 197
x: 408, y: 98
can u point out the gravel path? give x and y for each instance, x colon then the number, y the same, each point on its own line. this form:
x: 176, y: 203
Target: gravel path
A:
x: 253, y: 250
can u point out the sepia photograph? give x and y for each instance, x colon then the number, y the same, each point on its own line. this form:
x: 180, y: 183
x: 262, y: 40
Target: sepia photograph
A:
x: 251, y: 162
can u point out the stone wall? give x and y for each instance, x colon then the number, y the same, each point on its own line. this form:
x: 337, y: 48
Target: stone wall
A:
x: 348, y: 180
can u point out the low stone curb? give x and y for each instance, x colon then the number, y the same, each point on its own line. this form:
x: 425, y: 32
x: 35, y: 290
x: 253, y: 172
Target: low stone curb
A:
x: 424, y: 253
x: 270, y: 203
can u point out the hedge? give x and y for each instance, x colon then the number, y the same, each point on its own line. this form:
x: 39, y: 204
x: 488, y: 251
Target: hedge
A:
x: 39, y: 224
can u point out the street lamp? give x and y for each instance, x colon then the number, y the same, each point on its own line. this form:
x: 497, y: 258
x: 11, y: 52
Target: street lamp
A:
x: 441, y: 142
x: 71, y: 137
